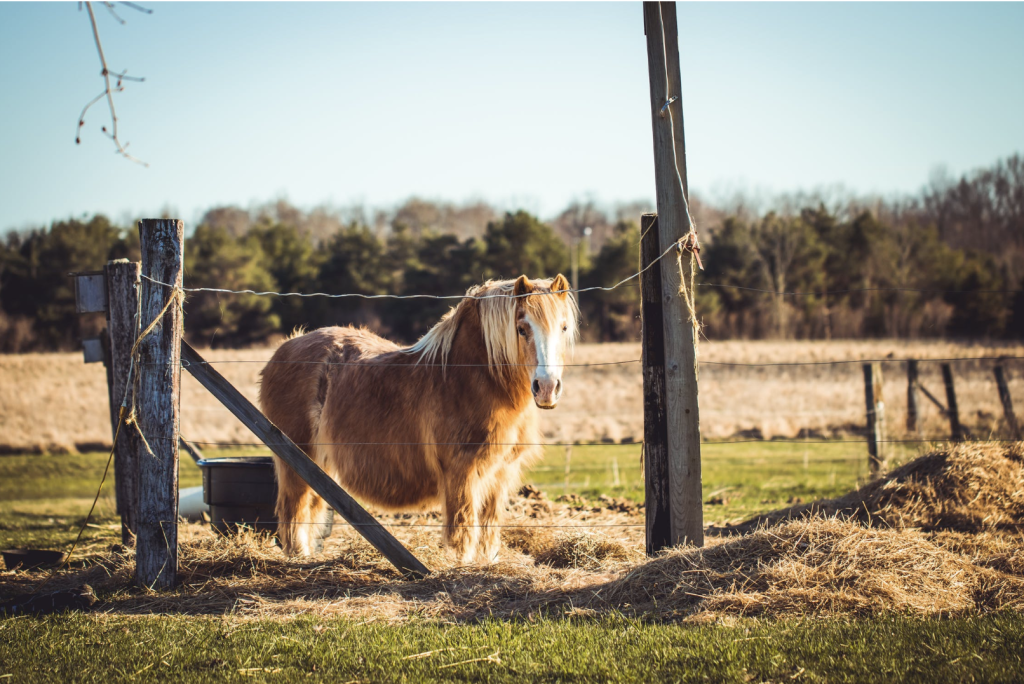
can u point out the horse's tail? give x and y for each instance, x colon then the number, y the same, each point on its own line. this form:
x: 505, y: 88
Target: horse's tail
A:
x: 293, y: 387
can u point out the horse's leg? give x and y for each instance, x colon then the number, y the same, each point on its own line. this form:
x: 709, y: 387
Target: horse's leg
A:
x: 297, y: 509
x: 461, y: 529
x: 324, y: 529
x: 492, y: 511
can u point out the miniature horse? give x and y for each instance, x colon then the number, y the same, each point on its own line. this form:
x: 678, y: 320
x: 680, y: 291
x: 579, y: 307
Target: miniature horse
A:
x: 446, y: 422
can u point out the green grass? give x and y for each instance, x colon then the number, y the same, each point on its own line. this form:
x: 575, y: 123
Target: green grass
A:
x: 750, y: 477
x: 44, y: 499
x: 86, y: 648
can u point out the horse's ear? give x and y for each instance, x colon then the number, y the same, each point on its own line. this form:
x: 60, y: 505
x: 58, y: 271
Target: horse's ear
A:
x: 560, y: 285
x: 522, y: 286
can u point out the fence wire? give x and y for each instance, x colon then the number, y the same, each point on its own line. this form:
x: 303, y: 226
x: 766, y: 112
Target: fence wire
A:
x: 724, y: 442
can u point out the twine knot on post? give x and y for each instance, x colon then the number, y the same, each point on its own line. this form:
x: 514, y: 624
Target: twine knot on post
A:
x: 688, y: 244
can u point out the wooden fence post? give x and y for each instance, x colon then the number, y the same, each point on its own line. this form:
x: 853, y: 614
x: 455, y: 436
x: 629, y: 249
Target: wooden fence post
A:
x: 1007, y: 402
x: 680, y: 334
x: 876, y: 416
x: 912, y: 396
x: 657, y: 505
x: 123, y: 292
x: 952, y: 412
x: 157, y: 403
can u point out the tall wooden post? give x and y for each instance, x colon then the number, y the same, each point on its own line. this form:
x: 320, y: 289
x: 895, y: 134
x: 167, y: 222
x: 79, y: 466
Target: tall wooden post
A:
x: 157, y: 404
x: 1007, y: 402
x: 123, y: 292
x: 876, y: 416
x: 679, y: 334
x: 952, y: 412
x: 912, y: 382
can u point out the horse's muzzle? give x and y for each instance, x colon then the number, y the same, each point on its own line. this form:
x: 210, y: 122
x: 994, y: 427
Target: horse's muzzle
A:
x: 546, y: 392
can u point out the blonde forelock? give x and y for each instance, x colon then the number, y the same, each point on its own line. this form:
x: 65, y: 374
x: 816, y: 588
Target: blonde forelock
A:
x: 498, y: 320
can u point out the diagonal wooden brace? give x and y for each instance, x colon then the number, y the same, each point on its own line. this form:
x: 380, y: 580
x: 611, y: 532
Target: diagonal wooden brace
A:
x: 322, y: 483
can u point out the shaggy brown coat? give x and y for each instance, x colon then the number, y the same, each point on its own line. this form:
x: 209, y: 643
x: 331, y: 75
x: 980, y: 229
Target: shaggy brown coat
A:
x: 448, y: 422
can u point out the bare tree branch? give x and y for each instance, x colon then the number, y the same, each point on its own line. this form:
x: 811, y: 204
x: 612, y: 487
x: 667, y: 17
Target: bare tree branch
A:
x: 109, y: 89
x: 110, y: 8
x: 133, y: 6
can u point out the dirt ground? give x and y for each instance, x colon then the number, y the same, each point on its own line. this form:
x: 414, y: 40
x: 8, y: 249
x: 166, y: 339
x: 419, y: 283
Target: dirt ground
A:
x: 54, y: 402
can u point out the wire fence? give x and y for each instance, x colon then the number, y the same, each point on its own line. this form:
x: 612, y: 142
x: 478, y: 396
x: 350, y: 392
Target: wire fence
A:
x: 611, y: 468
x: 598, y: 364
x: 593, y: 288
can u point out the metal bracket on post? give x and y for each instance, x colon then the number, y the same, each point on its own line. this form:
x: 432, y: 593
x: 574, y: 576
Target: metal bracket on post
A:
x: 90, y: 291
x: 93, y: 350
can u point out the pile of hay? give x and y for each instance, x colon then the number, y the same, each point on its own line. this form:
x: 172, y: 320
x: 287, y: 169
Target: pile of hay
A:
x: 966, y: 487
x: 819, y: 566
x: 940, y: 535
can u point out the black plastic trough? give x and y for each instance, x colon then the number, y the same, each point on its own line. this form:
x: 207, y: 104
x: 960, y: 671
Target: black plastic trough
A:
x: 241, y: 492
x: 27, y: 559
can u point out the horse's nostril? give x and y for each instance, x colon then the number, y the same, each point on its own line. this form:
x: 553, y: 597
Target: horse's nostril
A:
x: 558, y: 387
x: 535, y: 387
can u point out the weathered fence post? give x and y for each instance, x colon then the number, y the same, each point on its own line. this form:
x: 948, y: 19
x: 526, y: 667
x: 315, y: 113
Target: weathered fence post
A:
x: 952, y: 412
x: 912, y: 396
x: 1007, y: 402
x: 876, y: 416
x: 657, y: 504
x: 157, y: 402
x: 682, y: 419
x: 123, y: 293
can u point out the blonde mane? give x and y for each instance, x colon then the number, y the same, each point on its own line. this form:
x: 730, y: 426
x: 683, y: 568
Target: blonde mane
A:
x: 498, y: 320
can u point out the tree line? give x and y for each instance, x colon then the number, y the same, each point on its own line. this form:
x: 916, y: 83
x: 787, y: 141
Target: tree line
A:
x: 946, y: 263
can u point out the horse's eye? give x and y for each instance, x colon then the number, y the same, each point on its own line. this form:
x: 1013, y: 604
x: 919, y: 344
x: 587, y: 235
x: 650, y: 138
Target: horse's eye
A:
x: 522, y: 332
x: 565, y: 328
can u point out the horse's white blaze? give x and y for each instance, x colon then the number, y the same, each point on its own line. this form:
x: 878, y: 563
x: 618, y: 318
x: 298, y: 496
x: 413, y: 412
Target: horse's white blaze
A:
x: 548, y: 374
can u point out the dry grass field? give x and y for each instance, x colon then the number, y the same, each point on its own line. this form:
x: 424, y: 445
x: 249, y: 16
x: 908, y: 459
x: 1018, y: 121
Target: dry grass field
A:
x: 55, y: 403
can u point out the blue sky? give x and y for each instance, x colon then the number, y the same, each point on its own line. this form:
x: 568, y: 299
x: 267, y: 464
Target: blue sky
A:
x: 528, y: 104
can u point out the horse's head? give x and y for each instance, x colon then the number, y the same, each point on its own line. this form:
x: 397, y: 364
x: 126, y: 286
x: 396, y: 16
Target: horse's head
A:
x: 546, y: 325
